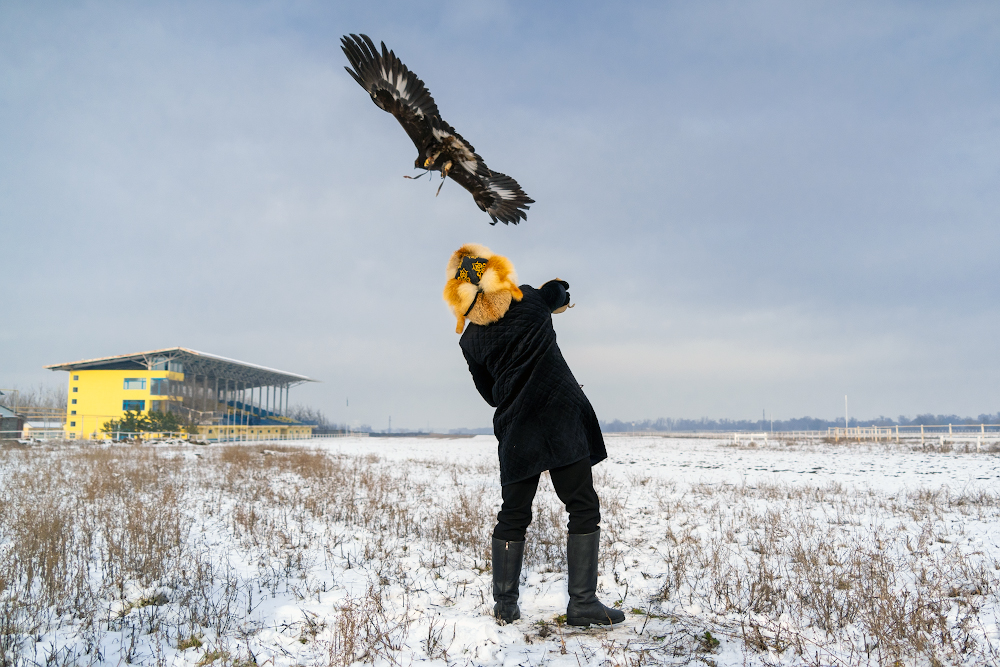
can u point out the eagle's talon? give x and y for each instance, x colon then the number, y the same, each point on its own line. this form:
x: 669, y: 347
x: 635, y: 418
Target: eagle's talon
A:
x: 431, y: 159
x: 444, y: 172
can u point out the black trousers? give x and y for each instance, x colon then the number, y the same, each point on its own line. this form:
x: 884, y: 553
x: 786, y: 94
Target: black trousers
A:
x: 574, y: 485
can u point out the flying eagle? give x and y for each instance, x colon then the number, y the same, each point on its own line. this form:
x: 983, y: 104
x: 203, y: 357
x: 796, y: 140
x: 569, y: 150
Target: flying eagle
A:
x: 396, y: 89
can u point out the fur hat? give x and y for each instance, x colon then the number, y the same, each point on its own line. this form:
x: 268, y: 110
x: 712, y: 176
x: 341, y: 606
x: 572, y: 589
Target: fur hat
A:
x: 480, y: 285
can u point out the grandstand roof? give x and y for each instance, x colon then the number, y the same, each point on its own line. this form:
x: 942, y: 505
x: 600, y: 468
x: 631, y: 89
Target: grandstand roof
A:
x: 193, y: 361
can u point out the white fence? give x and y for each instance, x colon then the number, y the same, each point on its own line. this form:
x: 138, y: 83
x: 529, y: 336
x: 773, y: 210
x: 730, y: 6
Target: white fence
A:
x: 44, y: 435
x: 35, y: 434
x: 954, y: 432
x: 942, y: 433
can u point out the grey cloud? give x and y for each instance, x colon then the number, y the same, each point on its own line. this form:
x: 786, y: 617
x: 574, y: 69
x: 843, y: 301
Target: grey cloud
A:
x: 772, y: 204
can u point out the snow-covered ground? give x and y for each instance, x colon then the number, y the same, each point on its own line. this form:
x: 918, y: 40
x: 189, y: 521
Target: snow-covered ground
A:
x: 377, y: 550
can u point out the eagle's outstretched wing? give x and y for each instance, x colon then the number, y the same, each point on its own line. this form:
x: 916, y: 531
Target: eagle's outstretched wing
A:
x: 393, y: 87
x: 396, y: 89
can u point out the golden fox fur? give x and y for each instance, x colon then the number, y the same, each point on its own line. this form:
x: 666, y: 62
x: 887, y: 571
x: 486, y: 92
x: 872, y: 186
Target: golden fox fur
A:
x: 497, y: 287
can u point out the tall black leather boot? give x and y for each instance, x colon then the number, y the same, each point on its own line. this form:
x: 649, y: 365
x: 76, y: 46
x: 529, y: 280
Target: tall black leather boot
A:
x: 584, y: 608
x: 507, y: 558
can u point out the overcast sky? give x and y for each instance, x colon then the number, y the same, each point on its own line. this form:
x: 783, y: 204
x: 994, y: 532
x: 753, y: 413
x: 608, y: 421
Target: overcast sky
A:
x: 758, y: 206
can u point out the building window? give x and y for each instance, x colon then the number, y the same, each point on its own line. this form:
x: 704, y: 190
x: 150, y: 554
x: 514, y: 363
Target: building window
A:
x: 164, y: 364
x: 72, y: 423
x: 75, y: 378
x: 135, y: 383
x: 159, y: 386
x: 74, y: 401
x: 73, y: 412
x: 134, y: 405
x: 76, y: 389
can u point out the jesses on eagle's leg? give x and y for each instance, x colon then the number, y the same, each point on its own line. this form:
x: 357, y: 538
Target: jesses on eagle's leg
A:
x: 426, y: 171
x: 444, y: 172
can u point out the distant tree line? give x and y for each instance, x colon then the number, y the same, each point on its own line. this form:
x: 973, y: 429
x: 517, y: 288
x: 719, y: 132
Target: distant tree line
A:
x: 35, y: 397
x: 322, y: 425
x: 936, y: 419
x: 797, y: 424
x: 485, y: 430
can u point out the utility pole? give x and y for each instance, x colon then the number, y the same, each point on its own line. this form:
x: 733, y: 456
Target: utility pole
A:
x: 847, y: 422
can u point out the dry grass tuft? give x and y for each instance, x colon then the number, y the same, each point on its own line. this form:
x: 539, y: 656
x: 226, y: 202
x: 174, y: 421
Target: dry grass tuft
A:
x: 808, y: 571
x: 160, y: 549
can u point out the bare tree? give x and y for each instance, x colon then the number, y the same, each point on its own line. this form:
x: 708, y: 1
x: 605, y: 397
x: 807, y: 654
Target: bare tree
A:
x: 310, y: 415
x: 41, y: 396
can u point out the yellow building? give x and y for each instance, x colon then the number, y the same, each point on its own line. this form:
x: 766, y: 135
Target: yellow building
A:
x: 216, y: 397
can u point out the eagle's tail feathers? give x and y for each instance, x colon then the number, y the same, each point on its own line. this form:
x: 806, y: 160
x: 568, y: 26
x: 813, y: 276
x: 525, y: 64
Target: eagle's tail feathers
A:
x: 507, y: 201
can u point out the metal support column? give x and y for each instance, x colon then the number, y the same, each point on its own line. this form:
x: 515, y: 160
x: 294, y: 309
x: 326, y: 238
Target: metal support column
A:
x: 253, y: 402
x: 239, y: 393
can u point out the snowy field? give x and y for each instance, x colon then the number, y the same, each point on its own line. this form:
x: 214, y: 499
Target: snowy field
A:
x: 376, y: 550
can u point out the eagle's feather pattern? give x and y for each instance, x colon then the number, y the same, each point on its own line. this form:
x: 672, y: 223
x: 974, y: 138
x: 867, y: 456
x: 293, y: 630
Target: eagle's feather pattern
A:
x: 397, y: 90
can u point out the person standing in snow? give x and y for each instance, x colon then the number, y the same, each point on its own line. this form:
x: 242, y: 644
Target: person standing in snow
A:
x: 543, y: 421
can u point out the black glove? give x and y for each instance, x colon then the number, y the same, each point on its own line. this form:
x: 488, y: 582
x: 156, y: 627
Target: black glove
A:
x: 556, y: 294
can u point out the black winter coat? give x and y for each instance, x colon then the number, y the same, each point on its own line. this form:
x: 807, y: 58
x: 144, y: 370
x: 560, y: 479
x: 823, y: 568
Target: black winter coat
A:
x: 543, y: 419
